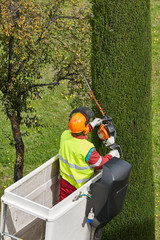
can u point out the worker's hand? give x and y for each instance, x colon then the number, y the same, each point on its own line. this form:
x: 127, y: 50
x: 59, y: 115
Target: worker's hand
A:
x: 114, y: 153
x: 96, y: 122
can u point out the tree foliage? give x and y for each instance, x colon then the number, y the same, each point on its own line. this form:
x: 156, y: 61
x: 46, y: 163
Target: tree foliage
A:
x: 34, y: 34
x: 121, y: 73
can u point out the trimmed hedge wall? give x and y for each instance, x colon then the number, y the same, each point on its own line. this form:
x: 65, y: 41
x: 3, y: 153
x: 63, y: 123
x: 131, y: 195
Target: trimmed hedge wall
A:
x: 121, y: 75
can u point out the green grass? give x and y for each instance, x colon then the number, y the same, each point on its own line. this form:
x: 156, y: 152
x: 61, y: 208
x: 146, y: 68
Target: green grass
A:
x: 42, y: 143
x: 155, y: 15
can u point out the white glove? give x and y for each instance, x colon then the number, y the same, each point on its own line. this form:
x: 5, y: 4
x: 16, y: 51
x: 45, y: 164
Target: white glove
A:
x: 114, y: 153
x: 96, y: 122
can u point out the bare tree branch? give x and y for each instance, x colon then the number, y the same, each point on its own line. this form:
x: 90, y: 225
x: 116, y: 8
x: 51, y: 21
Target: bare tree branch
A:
x: 66, y: 77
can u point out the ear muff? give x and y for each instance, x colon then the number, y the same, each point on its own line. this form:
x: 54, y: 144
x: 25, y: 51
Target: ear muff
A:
x: 87, y: 129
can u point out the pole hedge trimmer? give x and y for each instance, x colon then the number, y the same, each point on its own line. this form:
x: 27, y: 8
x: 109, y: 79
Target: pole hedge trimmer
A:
x: 106, y: 132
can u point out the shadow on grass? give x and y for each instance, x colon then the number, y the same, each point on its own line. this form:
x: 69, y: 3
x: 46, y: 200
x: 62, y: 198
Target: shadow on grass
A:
x: 130, y: 231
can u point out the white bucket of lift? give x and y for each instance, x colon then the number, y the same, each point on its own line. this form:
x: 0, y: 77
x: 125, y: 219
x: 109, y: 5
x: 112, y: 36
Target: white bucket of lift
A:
x: 30, y: 208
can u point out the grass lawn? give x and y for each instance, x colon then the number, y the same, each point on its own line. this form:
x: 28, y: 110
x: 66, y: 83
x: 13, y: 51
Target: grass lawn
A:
x: 43, y: 142
x: 155, y: 16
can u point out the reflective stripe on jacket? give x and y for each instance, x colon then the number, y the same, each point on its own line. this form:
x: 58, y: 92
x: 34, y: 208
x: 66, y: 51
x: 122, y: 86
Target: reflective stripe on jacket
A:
x: 72, y: 157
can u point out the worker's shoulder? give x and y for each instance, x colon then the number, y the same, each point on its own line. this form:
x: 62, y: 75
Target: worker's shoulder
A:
x: 87, y: 143
x: 66, y: 133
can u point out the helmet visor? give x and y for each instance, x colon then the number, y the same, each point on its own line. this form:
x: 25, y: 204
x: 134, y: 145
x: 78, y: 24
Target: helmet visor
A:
x: 87, y: 112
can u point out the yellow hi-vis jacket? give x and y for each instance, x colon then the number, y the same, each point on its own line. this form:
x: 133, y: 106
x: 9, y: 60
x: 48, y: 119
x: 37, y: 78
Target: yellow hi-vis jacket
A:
x: 73, y: 165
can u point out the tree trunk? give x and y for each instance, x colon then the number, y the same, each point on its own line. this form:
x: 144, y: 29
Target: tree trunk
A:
x: 15, y: 121
x: 19, y: 146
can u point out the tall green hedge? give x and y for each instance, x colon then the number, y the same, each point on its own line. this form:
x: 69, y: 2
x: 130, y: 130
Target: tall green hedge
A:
x: 121, y: 75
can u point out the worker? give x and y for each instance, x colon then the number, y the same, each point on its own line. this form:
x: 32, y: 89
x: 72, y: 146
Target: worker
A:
x: 78, y: 157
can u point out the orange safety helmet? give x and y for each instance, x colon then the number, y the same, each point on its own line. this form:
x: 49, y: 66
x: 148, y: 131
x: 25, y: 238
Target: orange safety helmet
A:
x: 79, y: 119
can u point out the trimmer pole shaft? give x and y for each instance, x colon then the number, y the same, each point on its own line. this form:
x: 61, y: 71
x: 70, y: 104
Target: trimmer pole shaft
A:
x: 92, y: 94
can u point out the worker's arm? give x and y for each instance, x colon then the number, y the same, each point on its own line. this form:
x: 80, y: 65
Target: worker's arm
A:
x: 96, y: 160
